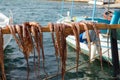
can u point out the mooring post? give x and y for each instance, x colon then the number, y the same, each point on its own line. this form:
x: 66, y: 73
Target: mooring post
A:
x: 114, y: 47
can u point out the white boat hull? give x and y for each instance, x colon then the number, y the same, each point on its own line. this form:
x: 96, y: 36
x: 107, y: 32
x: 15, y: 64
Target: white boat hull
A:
x: 106, y: 50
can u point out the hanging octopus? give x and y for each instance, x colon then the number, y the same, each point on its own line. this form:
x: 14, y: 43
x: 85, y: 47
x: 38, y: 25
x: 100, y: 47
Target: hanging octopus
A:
x: 28, y: 37
x: 97, y: 41
x: 60, y: 44
x: 76, y: 32
x: 38, y: 41
x: 23, y: 39
x: 87, y: 35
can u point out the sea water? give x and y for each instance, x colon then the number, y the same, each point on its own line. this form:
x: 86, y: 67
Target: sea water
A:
x: 44, y: 11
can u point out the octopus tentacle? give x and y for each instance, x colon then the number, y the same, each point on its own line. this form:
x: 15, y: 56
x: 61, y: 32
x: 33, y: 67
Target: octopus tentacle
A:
x: 64, y: 50
x: 36, y: 44
x: 27, y: 39
x: 88, y: 37
x: 19, y: 32
x: 60, y: 44
x: 41, y: 46
x: 57, y: 42
x: 25, y: 52
x: 35, y: 37
x: 2, y: 56
x: 98, y: 43
x: 76, y: 33
x: 51, y: 27
x: 23, y: 39
x: 38, y: 38
x: 12, y: 30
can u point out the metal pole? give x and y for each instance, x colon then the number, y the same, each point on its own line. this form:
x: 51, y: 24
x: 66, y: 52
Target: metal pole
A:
x: 94, y: 9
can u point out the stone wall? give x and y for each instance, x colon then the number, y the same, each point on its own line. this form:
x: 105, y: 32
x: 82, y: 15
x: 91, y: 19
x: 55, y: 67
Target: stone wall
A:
x: 81, y: 0
x: 117, y: 1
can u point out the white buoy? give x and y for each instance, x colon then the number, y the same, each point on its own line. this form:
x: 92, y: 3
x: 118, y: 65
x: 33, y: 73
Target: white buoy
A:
x: 68, y: 13
x: 93, y: 51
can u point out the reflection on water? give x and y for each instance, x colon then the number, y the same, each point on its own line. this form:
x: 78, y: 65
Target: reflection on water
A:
x: 44, y: 11
x: 15, y: 65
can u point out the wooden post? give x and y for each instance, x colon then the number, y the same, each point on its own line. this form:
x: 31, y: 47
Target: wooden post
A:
x: 6, y: 30
x: 114, y: 50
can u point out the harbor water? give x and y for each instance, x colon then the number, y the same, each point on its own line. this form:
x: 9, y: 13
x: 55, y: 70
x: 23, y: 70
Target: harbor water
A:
x: 44, y: 11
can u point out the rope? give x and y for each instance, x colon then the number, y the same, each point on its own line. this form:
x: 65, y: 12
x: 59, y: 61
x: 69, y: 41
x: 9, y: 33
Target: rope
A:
x: 10, y: 17
x: 71, y: 12
x: 62, y: 3
x: 74, y: 67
